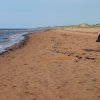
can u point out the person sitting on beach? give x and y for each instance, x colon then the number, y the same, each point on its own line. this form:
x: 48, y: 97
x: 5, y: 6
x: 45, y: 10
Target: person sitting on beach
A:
x: 98, y: 37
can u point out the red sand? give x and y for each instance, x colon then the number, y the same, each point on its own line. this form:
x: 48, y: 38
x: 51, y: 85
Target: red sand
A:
x: 53, y: 65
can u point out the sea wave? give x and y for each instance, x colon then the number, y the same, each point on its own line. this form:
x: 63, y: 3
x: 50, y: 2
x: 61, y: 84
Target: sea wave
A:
x: 11, y: 40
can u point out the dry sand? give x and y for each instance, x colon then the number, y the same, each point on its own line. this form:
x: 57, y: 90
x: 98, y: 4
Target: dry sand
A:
x: 59, y: 64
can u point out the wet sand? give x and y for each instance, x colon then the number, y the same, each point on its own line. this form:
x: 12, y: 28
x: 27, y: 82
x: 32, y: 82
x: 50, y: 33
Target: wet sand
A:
x: 59, y: 64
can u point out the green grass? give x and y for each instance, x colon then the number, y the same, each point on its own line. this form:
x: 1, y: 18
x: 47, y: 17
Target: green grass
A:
x: 70, y: 26
x: 77, y: 26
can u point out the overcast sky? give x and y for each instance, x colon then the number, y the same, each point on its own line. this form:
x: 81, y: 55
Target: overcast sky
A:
x: 35, y: 13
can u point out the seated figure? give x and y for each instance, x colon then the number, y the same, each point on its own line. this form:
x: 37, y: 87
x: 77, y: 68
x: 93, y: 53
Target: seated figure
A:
x: 98, y: 37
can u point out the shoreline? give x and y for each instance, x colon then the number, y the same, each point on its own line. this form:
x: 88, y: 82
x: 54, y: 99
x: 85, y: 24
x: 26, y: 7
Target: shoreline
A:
x: 44, y: 29
x: 16, y: 45
x: 21, y: 43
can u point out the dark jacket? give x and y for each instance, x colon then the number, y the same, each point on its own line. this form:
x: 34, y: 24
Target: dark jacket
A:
x: 98, y: 38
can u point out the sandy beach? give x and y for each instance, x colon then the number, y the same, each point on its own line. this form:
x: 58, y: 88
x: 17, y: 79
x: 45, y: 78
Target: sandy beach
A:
x: 58, y: 64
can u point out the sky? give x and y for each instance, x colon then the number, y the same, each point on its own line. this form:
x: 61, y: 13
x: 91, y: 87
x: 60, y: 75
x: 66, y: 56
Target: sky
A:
x: 41, y: 13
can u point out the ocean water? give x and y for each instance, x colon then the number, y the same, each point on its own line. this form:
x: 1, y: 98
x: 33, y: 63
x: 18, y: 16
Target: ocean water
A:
x: 9, y: 37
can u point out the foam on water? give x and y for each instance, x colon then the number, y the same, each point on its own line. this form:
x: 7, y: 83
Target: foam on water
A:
x: 11, y: 40
x: 9, y: 37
